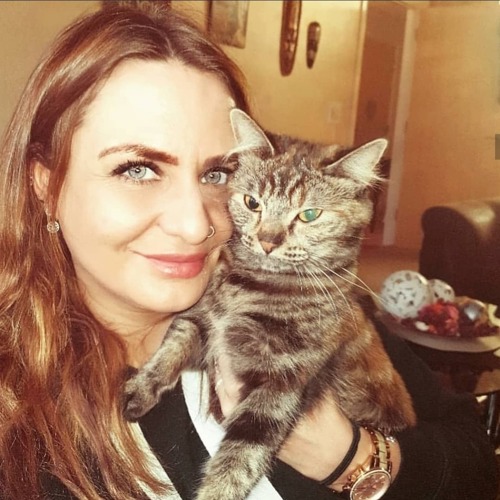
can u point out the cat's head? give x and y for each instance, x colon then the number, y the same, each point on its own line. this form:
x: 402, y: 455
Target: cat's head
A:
x: 301, y: 206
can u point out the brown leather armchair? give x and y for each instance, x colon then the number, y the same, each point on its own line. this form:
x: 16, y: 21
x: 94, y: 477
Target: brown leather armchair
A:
x: 461, y: 246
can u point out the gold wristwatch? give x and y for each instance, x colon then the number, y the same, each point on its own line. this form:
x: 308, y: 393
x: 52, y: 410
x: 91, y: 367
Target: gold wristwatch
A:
x: 371, y: 480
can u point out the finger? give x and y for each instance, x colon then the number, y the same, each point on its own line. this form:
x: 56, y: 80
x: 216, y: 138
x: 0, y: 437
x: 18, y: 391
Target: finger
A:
x: 227, y: 386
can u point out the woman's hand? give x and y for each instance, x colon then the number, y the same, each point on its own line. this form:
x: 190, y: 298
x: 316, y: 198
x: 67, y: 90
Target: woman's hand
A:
x: 227, y: 386
x: 320, y: 440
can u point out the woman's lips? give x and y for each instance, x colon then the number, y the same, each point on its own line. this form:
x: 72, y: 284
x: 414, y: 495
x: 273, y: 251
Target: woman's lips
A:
x: 178, y: 266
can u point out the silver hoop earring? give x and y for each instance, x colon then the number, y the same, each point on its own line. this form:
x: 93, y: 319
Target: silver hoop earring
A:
x: 211, y: 233
x: 53, y: 226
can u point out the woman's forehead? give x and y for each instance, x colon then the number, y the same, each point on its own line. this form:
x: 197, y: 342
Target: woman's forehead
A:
x: 160, y: 104
x: 153, y: 83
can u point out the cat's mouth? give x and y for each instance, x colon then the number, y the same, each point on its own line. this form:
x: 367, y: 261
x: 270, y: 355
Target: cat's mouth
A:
x: 252, y: 255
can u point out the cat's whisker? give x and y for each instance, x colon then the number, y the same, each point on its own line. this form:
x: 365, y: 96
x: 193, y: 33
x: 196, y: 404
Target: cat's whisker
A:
x: 317, y: 285
x: 365, y: 287
x: 222, y: 244
x: 324, y: 290
x: 300, y: 276
x: 353, y: 283
x: 348, y: 304
x: 329, y: 278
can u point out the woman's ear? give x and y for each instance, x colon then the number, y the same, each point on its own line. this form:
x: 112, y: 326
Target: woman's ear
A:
x: 41, y: 176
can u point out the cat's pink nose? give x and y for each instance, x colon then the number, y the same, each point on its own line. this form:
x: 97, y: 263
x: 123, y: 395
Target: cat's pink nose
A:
x: 268, y: 246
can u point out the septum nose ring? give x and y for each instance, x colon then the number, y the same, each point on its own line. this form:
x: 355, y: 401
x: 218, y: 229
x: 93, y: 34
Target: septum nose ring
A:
x: 211, y: 233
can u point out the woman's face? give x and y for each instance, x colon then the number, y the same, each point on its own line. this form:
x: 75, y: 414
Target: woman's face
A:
x: 143, y: 187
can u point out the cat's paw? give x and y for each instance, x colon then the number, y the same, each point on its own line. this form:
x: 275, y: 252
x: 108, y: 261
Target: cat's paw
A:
x: 233, y: 471
x: 140, y: 394
x: 217, y: 493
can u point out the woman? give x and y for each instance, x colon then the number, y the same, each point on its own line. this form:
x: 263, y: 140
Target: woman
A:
x: 113, y: 213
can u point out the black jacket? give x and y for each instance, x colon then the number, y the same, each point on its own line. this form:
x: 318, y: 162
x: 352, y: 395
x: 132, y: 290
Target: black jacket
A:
x: 447, y: 456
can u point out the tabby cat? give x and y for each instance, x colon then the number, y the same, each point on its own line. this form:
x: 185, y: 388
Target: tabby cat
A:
x: 281, y: 305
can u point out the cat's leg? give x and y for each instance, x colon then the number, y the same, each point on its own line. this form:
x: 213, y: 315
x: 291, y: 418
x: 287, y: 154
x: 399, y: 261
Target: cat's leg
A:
x: 180, y: 348
x: 255, y: 432
x: 371, y: 391
x: 394, y: 410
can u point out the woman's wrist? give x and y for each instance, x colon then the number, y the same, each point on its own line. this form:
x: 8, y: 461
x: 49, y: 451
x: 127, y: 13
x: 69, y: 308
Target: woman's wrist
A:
x: 348, y: 458
x: 362, y: 459
x: 363, y: 452
x: 319, y: 442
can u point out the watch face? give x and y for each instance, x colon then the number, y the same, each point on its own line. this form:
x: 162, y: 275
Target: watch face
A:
x: 371, y: 486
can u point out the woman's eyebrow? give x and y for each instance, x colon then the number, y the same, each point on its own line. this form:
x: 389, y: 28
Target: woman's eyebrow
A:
x: 143, y: 151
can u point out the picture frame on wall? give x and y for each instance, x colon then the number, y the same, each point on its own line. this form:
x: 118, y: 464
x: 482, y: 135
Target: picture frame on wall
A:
x: 227, y: 21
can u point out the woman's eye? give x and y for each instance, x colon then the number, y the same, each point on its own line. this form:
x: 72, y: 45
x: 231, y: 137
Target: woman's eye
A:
x: 310, y: 214
x: 137, y: 172
x: 252, y: 203
x: 215, y: 177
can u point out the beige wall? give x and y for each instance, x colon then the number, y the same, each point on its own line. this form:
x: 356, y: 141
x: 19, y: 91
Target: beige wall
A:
x: 454, y: 114
x: 317, y: 103
x: 26, y: 29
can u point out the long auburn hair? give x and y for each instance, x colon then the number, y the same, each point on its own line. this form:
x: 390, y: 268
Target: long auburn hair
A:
x: 61, y: 371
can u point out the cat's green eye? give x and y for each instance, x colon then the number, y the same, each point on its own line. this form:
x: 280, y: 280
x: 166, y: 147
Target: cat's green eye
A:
x: 310, y: 214
x: 252, y: 203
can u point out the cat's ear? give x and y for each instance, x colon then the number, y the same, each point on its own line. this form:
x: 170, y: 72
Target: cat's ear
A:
x: 361, y: 164
x: 249, y: 136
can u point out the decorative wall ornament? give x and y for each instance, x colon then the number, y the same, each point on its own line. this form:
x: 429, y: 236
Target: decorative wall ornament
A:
x: 227, y: 21
x: 290, y: 22
x: 313, y: 36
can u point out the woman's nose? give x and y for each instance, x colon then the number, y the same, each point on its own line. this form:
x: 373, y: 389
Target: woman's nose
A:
x: 184, y: 213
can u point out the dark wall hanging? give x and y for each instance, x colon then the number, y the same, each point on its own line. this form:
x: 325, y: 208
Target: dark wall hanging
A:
x: 313, y: 36
x: 290, y: 22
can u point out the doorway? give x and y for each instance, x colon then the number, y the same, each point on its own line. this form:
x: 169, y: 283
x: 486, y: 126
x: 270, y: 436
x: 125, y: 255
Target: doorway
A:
x: 379, y: 97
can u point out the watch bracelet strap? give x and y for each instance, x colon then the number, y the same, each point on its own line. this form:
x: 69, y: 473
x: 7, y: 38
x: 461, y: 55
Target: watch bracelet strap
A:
x: 380, y: 458
x: 340, y: 469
